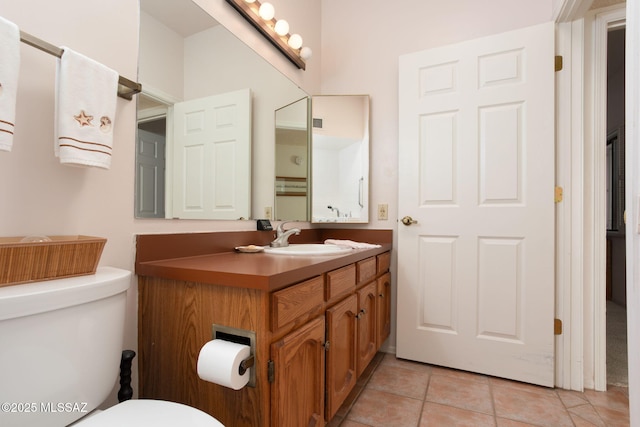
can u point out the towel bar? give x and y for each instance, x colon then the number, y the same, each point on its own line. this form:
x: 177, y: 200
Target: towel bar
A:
x: 126, y: 87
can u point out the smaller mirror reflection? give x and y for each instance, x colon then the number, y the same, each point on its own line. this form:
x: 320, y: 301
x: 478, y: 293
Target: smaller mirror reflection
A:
x: 340, y: 158
x: 292, y: 162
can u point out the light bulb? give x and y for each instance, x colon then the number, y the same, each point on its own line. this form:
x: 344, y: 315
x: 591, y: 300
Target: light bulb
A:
x: 281, y: 27
x: 267, y: 11
x: 249, y: 1
x: 305, y: 53
x: 295, y: 41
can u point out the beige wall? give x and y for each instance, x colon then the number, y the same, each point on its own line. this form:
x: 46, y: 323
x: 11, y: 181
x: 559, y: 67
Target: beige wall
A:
x: 38, y: 195
x: 358, y: 54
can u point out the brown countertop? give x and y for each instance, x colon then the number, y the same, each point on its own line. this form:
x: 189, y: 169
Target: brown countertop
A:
x: 267, y: 272
x: 206, y: 258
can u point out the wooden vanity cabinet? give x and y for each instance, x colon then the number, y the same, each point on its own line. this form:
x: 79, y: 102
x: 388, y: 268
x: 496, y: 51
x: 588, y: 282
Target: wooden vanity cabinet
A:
x: 367, y: 311
x: 341, y: 352
x: 313, y: 340
x: 297, y: 364
x: 297, y: 391
x: 367, y: 323
x: 383, y: 303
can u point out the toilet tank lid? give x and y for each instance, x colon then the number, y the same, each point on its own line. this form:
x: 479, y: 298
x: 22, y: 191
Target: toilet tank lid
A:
x: 38, y: 297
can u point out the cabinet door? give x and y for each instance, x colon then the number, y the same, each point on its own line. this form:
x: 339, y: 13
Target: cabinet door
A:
x: 367, y: 319
x: 297, y: 393
x: 341, y: 355
x: 384, y: 309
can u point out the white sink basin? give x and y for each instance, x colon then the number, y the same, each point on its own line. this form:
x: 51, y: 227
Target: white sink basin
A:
x: 308, y: 249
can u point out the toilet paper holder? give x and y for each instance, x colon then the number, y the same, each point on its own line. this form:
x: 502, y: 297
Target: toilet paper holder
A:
x: 239, y: 336
x: 246, y: 364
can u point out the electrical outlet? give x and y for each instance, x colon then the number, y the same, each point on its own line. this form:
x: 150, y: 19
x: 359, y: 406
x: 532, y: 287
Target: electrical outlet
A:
x: 268, y: 212
x: 383, y: 212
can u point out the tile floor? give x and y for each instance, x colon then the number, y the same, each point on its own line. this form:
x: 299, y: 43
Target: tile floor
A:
x: 399, y: 393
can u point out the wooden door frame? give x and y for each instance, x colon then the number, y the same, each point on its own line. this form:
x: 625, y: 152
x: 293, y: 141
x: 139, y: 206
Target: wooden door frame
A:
x: 602, y: 22
x: 581, y: 217
x: 632, y: 138
x: 576, y: 247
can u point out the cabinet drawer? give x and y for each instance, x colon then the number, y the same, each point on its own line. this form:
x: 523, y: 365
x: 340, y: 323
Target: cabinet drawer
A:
x: 341, y: 282
x: 298, y: 301
x: 384, y: 260
x: 366, y: 270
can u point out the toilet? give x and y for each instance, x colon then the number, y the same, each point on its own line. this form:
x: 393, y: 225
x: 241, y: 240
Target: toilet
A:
x: 60, y: 348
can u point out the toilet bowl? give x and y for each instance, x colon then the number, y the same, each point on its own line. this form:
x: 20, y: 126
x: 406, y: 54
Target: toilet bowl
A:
x: 143, y: 412
x: 60, y: 356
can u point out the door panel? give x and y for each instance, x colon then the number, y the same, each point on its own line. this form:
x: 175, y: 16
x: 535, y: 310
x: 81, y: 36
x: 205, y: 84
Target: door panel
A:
x: 367, y: 312
x: 341, y: 355
x: 150, y: 176
x: 476, y: 272
x: 297, y: 393
x: 212, y: 157
x: 383, y: 328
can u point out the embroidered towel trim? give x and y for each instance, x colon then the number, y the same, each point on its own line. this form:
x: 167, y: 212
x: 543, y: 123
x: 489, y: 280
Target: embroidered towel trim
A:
x: 9, y: 71
x: 86, y: 93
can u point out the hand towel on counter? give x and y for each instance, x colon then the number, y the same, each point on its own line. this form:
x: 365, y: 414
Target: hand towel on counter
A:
x: 351, y: 244
x: 86, y: 94
x: 9, y: 70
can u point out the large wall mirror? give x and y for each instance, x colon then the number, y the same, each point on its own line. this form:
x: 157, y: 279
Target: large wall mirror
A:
x: 205, y: 145
x: 218, y: 126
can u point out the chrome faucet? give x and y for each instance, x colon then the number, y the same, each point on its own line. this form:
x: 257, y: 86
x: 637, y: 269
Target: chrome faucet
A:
x: 333, y: 208
x: 282, y: 237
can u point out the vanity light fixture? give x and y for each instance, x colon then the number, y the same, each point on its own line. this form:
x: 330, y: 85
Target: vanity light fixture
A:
x: 282, y: 27
x: 267, y: 11
x: 262, y: 17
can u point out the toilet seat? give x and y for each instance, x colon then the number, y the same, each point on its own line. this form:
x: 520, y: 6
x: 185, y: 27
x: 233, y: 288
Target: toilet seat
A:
x: 148, y: 412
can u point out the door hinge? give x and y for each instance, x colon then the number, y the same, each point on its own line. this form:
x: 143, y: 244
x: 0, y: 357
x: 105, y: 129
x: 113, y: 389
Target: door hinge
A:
x: 558, y: 62
x: 557, y: 327
x: 558, y: 195
x: 271, y: 371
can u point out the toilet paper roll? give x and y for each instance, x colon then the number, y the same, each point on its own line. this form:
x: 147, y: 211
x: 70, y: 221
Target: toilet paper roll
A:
x: 219, y: 363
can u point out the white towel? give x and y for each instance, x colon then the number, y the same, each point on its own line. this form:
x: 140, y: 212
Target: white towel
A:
x: 351, y: 244
x: 9, y: 70
x: 86, y: 94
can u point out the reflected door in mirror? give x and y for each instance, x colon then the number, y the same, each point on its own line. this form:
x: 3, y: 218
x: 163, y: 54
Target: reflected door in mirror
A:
x: 212, y: 157
x: 150, y: 168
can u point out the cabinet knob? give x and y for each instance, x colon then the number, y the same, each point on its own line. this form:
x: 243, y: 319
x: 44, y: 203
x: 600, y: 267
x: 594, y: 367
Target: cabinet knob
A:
x: 326, y: 345
x: 359, y: 315
x: 363, y: 311
x: 381, y: 295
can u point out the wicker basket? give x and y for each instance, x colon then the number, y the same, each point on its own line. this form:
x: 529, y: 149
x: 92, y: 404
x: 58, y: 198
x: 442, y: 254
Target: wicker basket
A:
x: 62, y: 256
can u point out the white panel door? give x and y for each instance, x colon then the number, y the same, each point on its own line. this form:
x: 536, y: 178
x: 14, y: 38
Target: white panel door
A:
x: 476, y: 271
x: 212, y: 157
x: 150, y: 170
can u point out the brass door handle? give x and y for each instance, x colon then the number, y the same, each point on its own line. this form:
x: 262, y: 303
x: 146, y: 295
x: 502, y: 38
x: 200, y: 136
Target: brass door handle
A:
x: 407, y: 220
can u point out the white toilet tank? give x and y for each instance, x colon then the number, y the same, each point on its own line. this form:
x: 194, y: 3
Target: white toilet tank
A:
x: 60, y: 347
